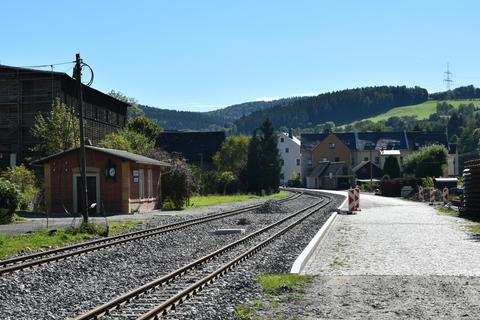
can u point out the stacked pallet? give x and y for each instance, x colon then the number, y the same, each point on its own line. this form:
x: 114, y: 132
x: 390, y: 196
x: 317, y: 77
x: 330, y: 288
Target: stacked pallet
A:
x: 470, y: 203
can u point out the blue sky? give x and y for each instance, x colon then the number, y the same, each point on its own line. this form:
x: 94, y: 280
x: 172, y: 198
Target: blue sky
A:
x: 202, y: 55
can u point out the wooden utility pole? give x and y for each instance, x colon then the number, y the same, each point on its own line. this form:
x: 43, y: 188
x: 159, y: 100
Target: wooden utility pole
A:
x: 83, y: 169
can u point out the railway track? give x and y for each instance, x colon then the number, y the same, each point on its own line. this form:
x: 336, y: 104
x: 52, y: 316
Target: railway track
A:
x: 44, y: 257
x: 156, y: 298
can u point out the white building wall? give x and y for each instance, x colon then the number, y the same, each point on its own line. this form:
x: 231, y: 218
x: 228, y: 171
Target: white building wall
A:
x: 289, y: 149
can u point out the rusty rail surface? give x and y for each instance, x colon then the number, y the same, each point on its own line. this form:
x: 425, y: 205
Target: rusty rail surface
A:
x: 178, y: 298
x: 26, y: 261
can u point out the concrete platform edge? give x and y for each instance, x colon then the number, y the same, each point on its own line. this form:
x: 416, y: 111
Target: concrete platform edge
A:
x: 307, y: 252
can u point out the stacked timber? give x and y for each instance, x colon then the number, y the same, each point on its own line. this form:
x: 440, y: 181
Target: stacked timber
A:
x: 470, y: 203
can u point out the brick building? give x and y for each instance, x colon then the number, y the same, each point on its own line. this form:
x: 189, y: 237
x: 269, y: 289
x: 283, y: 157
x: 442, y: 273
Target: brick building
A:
x: 121, y: 181
x: 24, y: 93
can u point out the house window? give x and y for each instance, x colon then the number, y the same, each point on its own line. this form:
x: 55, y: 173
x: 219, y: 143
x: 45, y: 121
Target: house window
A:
x: 365, y: 159
x: 286, y: 150
x: 331, y: 145
x: 282, y: 140
x: 309, y: 163
x: 141, y: 184
x: 337, y: 159
x: 298, y: 162
x: 150, y: 183
x: 377, y: 160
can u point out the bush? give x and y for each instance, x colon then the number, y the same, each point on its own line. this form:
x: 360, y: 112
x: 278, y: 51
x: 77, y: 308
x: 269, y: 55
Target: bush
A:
x: 429, y: 161
x: 26, y: 182
x: 9, y: 200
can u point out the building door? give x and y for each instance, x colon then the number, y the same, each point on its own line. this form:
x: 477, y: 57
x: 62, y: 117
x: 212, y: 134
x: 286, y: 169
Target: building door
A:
x: 92, y: 193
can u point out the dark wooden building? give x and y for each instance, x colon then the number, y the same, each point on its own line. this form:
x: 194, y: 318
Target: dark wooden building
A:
x: 24, y: 93
x: 197, y: 147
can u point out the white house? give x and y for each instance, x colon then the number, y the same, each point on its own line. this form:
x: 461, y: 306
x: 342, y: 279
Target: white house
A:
x: 289, y: 149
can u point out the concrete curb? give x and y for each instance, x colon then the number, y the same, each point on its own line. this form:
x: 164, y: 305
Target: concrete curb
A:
x: 308, y: 251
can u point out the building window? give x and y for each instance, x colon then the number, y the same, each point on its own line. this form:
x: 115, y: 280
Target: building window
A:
x: 377, y: 160
x: 309, y: 163
x: 298, y: 162
x: 365, y: 159
x: 337, y: 159
x: 141, y: 184
x: 282, y: 140
x: 150, y: 183
x: 286, y: 150
x: 331, y: 145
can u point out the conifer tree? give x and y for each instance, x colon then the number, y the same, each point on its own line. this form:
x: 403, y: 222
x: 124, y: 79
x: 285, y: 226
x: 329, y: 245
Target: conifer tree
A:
x: 270, y: 158
x: 253, y: 164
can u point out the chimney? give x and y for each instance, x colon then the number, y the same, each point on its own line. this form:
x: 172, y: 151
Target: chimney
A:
x: 290, y: 133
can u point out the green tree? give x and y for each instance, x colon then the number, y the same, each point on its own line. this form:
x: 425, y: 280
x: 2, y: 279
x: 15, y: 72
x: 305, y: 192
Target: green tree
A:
x: 233, y: 154
x: 391, y: 167
x: 134, y: 108
x: 225, y: 178
x: 253, y: 164
x: 127, y: 140
x: 429, y: 161
x: 444, y: 108
x: 269, y: 158
x: 9, y: 199
x: 178, y: 184
x: 26, y: 183
x: 59, y: 130
x: 146, y: 126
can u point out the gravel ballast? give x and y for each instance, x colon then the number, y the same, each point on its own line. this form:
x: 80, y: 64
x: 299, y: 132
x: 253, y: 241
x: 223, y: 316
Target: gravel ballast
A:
x: 67, y: 288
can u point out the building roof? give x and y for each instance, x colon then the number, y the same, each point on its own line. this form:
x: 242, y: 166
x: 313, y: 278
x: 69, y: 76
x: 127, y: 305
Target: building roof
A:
x: 326, y: 168
x: 91, y: 95
x: 398, y: 140
x: 293, y: 138
x: 417, y: 140
x: 311, y: 140
x: 114, y: 152
x: 389, y: 152
x: 193, y: 145
x: 381, y: 140
x: 362, y: 164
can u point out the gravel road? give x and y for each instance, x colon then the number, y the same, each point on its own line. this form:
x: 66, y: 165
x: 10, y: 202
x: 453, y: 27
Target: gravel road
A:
x: 394, y: 260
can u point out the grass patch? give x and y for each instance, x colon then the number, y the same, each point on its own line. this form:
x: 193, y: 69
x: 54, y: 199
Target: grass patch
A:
x: 277, y: 290
x: 244, y: 312
x: 473, y: 223
x: 202, y: 201
x: 17, y: 219
x: 421, y: 111
x: 277, y: 283
x: 14, y: 244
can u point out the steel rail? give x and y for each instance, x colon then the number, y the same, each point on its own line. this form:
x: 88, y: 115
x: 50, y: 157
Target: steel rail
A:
x: 23, y: 262
x: 171, y: 303
x: 136, y: 293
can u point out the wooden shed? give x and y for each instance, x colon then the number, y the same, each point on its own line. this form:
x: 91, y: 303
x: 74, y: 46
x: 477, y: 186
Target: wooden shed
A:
x: 118, y: 180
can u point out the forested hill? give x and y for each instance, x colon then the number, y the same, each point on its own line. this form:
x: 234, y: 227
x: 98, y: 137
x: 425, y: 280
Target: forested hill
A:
x: 237, y: 111
x: 340, y: 107
x: 183, y: 120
